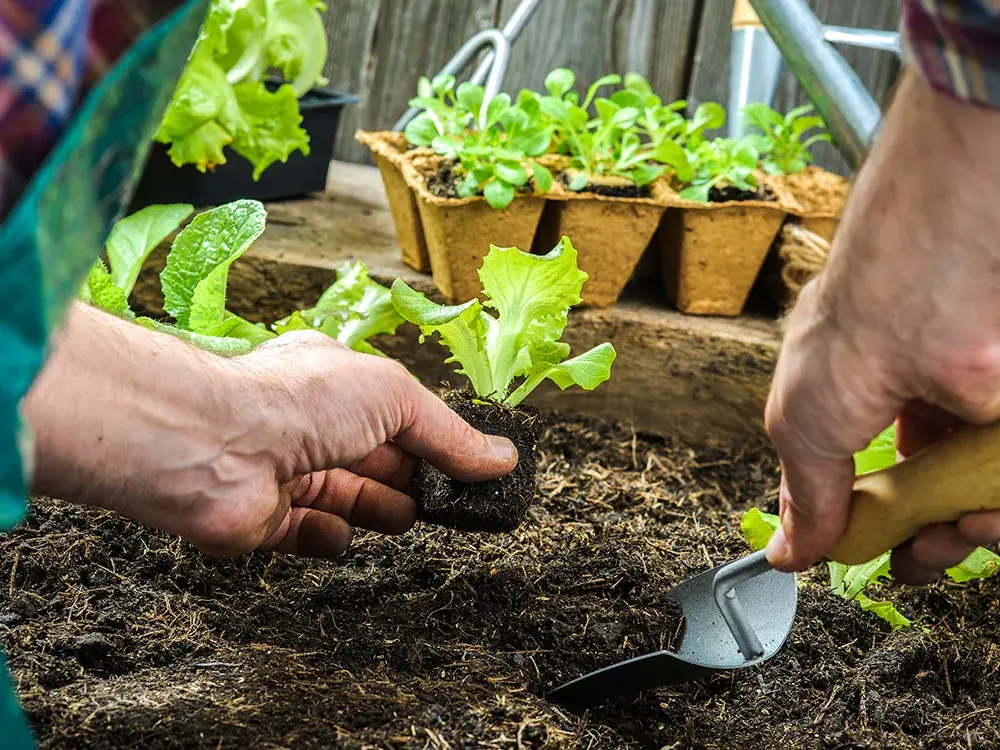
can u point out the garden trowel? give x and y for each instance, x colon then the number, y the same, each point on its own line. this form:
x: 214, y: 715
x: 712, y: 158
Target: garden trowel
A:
x: 738, y: 615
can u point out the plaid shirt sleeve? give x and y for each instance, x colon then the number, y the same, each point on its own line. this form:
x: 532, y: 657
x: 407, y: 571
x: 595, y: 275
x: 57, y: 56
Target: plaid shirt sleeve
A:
x: 955, y: 45
x: 51, y: 51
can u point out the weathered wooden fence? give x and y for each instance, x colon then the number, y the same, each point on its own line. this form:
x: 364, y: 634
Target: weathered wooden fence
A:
x: 378, y: 49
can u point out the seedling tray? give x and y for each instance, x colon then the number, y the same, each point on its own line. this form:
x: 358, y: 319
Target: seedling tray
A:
x: 163, y: 182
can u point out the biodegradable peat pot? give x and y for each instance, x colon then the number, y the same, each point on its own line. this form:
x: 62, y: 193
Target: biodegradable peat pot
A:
x: 459, y: 231
x: 389, y: 148
x: 822, y: 196
x: 712, y: 252
x: 609, y: 231
x: 301, y: 174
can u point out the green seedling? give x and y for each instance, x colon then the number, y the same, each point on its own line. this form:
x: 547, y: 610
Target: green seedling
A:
x: 720, y: 163
x: 507, y: 355
x: 780, y: 142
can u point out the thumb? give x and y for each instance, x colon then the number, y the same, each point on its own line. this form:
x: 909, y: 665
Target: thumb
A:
x: 435, y: 433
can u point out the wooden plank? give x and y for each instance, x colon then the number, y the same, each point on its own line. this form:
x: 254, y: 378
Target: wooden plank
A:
x: 388, y: 45
x: 878, y: 70
x: 594, y: 37
x: 702, y: 379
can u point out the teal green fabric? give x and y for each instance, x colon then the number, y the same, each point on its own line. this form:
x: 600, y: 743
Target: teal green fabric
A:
x: 57, y: 229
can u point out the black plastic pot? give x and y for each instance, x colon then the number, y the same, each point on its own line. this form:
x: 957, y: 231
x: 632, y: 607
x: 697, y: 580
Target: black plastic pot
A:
x: 162, y: 182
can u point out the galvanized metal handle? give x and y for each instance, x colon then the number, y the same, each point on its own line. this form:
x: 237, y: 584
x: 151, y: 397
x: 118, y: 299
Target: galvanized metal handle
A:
x: 494, y: 80
x: 851, y: 114
x: 724, y: 590
x: 493, y: 68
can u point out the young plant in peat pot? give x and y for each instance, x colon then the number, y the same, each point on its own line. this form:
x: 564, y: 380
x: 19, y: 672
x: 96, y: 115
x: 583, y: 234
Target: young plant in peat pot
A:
x: 714, y: 242
x: 784, y: 143
x: 445, y: 114
x: 480, y: 185
x: 610, y: 194
x: 505, y: 357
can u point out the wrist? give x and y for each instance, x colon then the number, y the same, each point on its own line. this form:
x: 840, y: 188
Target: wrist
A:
x: 122, y: 416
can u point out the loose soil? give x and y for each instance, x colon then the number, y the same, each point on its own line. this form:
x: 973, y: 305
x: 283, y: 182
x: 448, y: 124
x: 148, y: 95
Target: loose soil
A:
x: 494, y: 506
x: 612, y: 189
x: 730, y: 193
x: 122, y: 637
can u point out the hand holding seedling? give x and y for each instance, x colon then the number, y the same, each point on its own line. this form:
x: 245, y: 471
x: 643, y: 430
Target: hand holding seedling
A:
x: 903, y: 322
x: 286, y: 448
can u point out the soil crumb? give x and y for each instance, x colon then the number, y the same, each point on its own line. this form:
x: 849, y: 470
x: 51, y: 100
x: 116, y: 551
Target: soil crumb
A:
x: 122, y: 637
x: 730, y: 193
x: 494, y: 506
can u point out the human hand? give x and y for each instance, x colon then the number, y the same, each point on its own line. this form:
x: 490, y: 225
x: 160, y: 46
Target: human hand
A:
x: 286, y: 448
x: 903, y: 321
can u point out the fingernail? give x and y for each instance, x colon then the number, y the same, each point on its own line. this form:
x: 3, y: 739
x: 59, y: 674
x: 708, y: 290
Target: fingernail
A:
x: 502, y: 448
x: 777, y: 548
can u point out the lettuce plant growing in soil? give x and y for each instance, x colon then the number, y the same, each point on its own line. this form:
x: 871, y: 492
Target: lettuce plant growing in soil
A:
x: 505, y: 357
x: 496, y: 160
x: 352, y: 310
x: 723, y: 171
x: 447, y: 112
x: 854, y: 582
x: 780, y: 144
x: 221, y: 99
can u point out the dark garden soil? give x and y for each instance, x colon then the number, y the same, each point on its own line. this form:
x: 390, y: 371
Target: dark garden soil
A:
x: 498, y: 505
x: 120, y: 637
x: 613, y: 189
x: 445, y: 179
x: 730, y: 193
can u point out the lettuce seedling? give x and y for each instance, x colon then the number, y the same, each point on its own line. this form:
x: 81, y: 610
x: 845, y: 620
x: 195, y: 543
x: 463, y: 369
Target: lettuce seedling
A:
x: 221, y: 99
x: 447, y: 111
x: 720, y: 163
x: 352, y: 310
x: 608, y: 144
x: 532, y: 295
x: 495, y: 159
x: 780, y: 143
x: 852, y: 581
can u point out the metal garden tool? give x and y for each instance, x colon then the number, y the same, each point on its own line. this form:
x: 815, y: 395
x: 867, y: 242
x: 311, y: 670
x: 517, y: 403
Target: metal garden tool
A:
x: 738, y: 615
x: 776, y: 32
x: 493, y: 67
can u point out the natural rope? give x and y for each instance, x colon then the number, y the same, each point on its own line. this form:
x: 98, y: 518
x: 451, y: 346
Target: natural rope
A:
x: 803, y: 255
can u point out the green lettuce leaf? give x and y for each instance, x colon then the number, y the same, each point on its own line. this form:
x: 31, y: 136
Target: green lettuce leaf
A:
x: 587, y: 370
x: 274, y: 131
x: 221, y: 99
x: 101, y: 291
x: 295, y: 41
x: 221, y: 345
x: 887, y: 611
x: 880, y: 453
x: 980, y: 564
x: 133, y: 238
x: 194, y: 279
x: 461, y: 328
x: 203, y: 117
x: 353, y: 309
x: 532, y: 295
x: 758, y: 527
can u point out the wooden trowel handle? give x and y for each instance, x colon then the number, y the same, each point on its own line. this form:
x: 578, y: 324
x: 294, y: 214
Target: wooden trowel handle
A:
x: 744, y: 16
x: 959, y: 474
